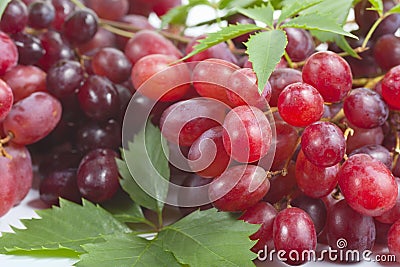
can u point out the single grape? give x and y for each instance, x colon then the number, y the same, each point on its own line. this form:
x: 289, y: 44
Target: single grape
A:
x: 211, y: 78
x: 80, y: 26
x: 112, y: 63
x: 14, y: 18
x: 64, y: 78
x: 148, y: 42
x: 9, y: 53
x: 59, y: 184
x: 183, y: 122
x: 349, y: 230
x: 368, y: 185
x: 300, y: 44
x: 207, y: 155
x: 294, y: 230
x: 394, y: 240
x: 98, y: 98
x: 155, y: 77
x: 8, y: 189
x: 323, y: 144
x: 363, y: 137
x: 285, y: 143
x: 377, y: 152
x: 279, y: 79
x: 391, y: 88
x: 41, y: 14
x: 247, y: 134
x: 315, y: 181
x: 329, y: 74
x: 300, y: 104
x: 239, y: 188
x: 29, y: 47
x: 392, y: 215
x: 62, y: 10
x: 243, y: 90
x: 6, y: 99
x: 32, y: 118
x: 365, y: 108
x: 109, y: 9
x: 261, y: 213
x: 387, y: 51
x: 315, y: 208
x: 97, y: 177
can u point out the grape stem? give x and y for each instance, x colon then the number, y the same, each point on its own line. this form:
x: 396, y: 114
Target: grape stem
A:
x: 372, y: 30
x: 78, y: 4
x: 337, y: 194
x: 4, y: 141
x: 282, y: 172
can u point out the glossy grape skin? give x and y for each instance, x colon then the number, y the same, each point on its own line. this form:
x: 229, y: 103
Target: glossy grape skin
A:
x: 300, y: 44
x: 111, y: 63
x: 261, y: 213
x: 294, y: 230
x: 6, y: 99
x: 109, y: 9
x: 285, y: 142
x: 64, y: 78
x: 365, y: 108
x: 148, y: 42
x: 211, y: 77
x: 80, y: 26
x: 279, y: 79
x: 377, y: 152
x: 9, y: 56
x: 62, y: 9
x: 94, y: 135
x: 315, y: 208
x: 14, y: 18
x: 239, y: 188
x: 247, y: 134
x: 137, y: 21
x: 170, y: 82
x: 101, y: 39
x: 59, y: 184
x: 394, y: 240
x: 98, y: 98
x: 315, y: 181
x: 357, y: 229
x: 329, y: 74
x: 300, y: 104
x: 391, y: 88
x: 37, y: 109
x: 55, y: 47
x: 243, y: 90
x: 392, y: 215
x: 282, y: 185
x: 41, y: 14
x: 161, y: 7
x: 97, y: 177
x: 368, y: 185
x: 387, y: 51
x: 183, y: 122
x: 323, y: 144
x: 207, y: 155
x: 29, y: 47
x: 8, y: 190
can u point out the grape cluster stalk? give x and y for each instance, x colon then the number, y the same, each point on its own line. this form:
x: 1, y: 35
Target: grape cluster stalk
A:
x: 313, y: 158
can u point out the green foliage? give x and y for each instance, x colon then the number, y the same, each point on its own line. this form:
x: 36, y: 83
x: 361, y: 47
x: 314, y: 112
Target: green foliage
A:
x: 395, y: 9
x: 178, y: 15
x: 377, y: 5
x: 61, y: 229
x: 3, y: 5
x: 238, y: 3
x: 262, y: 13
x: 265, y: 50
x: 295, y: 7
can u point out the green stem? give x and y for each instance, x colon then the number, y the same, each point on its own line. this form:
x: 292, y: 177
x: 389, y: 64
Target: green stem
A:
x: 372, y: 30
x: 160, y: 220
x: 289, y: 60
x: 78, y: 4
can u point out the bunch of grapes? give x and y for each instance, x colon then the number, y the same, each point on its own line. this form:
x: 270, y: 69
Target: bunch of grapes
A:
x: 313, y: 158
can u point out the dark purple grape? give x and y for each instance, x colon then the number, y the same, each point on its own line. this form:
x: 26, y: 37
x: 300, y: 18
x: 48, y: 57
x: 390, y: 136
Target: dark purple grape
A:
x: 14, y: 18
x: 59, y: 160
x: 387, y: 51
x: 377, y: 152
x: 300, y: 44
x: 41, y: 14
x: 63, y: 8
x: 80, y: 26
x: 113, y: 64
x: 29, y: 47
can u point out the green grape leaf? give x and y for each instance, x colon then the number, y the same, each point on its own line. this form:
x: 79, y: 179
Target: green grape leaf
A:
x: 262, y: 13
x: 178, y: 15
x: 3, y: 5
x: 223, y: 35
x: 210, y: 238
x: 146, y: 160
x: 238, y: 3
x: 295, y: 7
x: 124, y: 209
x: 317, y: 22
x: 65, y: 228
x: 377, y: 5
x: 126, y: 250
x: 395, y: 9
x: 265, y: 50
x: 337, y: 10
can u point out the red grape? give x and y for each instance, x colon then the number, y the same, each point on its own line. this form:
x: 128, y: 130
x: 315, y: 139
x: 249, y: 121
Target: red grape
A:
x: 281, y: 185
x: 101, y: 39
x: 80, y: 26
x: 394, y: 240
x: 392, y: 215
x: 14, y: 18
x: 161, y: 7
x: 41, y: 14
x: 300, y: 44
x: 29, y: 47
x: 362, y: 137
x: 391, y: 87
x: 6, y: 99
x: 9, y: 53
x: 285, y: 142
x: 377, y: 152
x: 111, y: 63
x: 62, y: 8
x: 280, y: 78
x: 386, y: 51
x: 109, y: 9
